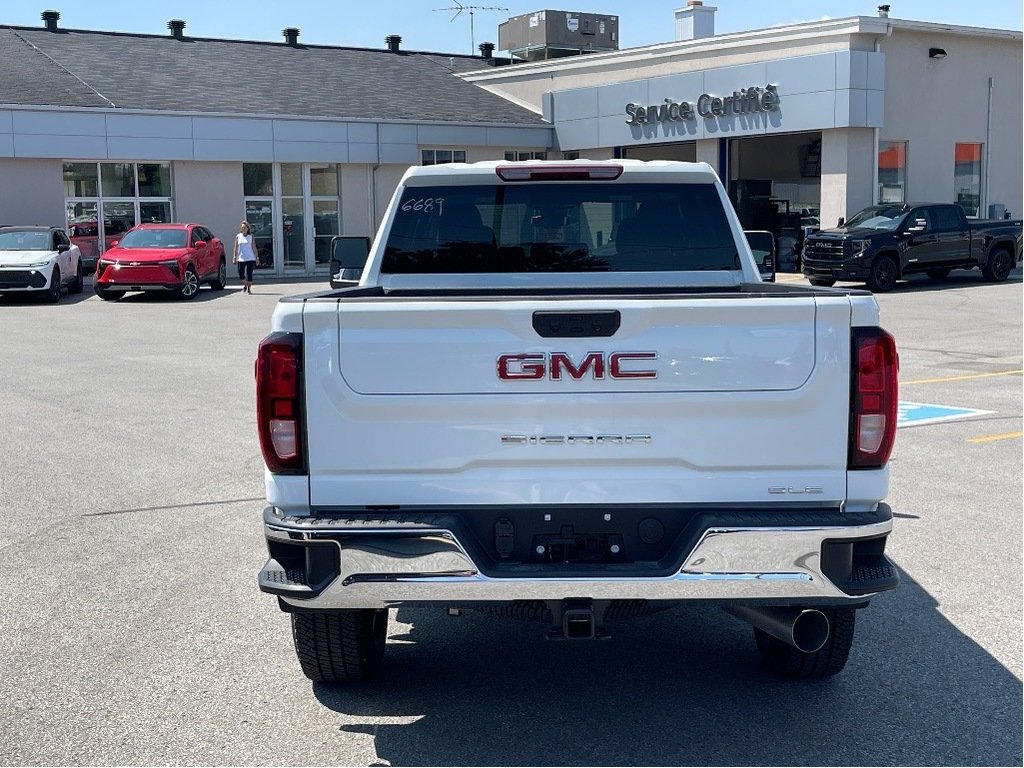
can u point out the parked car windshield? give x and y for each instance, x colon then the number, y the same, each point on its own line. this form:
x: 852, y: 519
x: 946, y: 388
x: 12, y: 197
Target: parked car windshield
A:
x: 154, y: 238
x: 878, y: 217
x: 560, y: 228
x: 21, y: 240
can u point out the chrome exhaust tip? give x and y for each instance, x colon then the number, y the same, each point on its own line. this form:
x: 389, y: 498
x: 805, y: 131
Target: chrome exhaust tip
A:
x: 806, y: 629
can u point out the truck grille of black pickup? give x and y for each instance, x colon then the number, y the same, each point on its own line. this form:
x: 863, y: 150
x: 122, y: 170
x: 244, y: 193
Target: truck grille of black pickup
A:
x: 830, y: 250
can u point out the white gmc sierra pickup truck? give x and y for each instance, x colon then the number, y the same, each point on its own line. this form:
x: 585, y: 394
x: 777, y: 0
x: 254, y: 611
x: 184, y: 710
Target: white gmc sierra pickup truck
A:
x: 562, y: 391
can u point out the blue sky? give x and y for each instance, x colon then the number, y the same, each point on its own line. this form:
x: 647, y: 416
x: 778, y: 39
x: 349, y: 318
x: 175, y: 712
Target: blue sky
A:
x: 368, y: 22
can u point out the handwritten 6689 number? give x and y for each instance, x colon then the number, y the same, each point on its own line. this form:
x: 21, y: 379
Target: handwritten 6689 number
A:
x: 425, y: 205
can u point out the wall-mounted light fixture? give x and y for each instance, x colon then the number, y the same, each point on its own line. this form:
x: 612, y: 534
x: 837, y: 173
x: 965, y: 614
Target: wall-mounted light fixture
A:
x: 936, y: 53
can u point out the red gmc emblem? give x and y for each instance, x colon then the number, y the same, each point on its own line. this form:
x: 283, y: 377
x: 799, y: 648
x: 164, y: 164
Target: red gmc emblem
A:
x: 555, y: 365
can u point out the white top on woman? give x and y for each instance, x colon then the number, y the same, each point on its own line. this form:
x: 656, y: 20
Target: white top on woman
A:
x: 244, y: 247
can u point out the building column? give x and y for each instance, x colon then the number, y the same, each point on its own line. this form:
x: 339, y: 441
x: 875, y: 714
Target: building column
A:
x: 707, y: 152
x: 848, y: 158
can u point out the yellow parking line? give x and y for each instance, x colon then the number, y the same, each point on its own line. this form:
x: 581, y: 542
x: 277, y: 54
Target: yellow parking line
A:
x: 993, y: 438
x: 961, y: 378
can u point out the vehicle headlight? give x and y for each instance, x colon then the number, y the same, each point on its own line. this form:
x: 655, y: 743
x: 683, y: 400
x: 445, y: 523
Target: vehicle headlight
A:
x: 859, y: 246
x: 40, y: 264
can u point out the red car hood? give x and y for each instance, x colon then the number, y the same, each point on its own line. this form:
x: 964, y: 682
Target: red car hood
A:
x: 144, y: 255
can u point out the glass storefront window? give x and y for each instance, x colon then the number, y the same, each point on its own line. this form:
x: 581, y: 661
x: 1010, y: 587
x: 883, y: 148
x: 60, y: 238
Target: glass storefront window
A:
x: 257, y: 179
x: 117, y: 179
x: 513, y: 155
x: 892, y: 172
x: 118, y: 218
x: 154, y: 180
x: 83, y: 227
x: 152, y: 212
x: 291, y: 178
x: 81, y: 180
x: 260, y: 215
x: 323, y: 180
x: 293, y: 230
x: 967, y: 177
x: 325, y: 227
x: 437, y: 156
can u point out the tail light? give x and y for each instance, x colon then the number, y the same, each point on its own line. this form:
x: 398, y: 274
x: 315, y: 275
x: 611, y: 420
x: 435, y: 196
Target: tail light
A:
x: 873, y: 398
x: 279, y: 403
x: 556, y: 172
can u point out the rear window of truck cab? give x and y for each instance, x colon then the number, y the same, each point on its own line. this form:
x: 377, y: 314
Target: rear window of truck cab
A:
x: 559, y: 227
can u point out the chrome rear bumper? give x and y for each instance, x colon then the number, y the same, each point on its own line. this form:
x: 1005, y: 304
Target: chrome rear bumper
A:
x: 385, y: 566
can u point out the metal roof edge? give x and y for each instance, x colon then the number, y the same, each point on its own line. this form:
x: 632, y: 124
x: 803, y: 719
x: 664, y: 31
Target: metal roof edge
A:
x: 266, y: 116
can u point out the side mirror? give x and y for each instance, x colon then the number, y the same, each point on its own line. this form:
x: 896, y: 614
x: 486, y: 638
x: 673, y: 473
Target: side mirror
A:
x: 348, y: 257
x: 762, y: 248
x: 63, y: 248
x: 842, y: 221
x: 198, y: 243
x: 113, y: 243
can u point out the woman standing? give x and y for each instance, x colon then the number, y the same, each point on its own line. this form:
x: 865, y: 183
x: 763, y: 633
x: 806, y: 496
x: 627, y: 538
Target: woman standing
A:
x: 244, y: 255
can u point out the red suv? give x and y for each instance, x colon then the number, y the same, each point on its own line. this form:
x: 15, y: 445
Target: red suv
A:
x: 161, y: 257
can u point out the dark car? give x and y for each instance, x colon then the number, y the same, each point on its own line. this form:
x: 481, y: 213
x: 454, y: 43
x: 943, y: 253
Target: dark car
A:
x: 883, y: 243
x: 161, y: 257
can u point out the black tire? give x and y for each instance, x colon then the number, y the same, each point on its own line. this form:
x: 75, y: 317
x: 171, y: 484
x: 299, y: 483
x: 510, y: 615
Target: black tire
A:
x: 999, y: 266
x: 189, y: 284
x: 783, y: 659
x: 340, y: 646
x: 79, y: 282
x: 106, y: 295
x: 821, y: 282
x: 938, y: 273
x: 884, y: 274
x: 52, y: 295
x: 221, y: 279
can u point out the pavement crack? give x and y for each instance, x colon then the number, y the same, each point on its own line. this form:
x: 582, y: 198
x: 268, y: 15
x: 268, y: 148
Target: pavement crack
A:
x: 173, y: 506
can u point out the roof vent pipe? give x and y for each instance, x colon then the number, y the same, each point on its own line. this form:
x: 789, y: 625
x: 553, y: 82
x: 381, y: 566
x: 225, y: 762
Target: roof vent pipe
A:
x: 177, y: 27
x: 291, y: 35
x: 50, y: 17
x: 883, y: 11
x: 393, y: 41
x: 487, y: 50
x: 695, y: 21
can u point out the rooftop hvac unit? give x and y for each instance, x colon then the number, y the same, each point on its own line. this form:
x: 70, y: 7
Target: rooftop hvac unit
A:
x: 552, y: 34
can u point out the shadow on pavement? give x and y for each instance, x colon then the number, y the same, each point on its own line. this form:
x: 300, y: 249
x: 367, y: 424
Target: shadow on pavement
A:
x: 685, y: 687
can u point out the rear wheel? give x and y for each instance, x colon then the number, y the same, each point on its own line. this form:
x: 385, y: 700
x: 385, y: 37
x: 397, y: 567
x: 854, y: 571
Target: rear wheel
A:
x: 783, y: 659
x: 340, y: 646
x: 221, y: 279
x: 999, y: 266
x: 52, y: 295
x: 884, y: 274
x: 79, y: 282
x: 189, y: 284
x: 822, y: 282
x: 938, y: 274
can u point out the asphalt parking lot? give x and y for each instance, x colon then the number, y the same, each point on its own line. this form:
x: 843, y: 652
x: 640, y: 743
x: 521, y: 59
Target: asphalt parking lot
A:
x: 132, y: 631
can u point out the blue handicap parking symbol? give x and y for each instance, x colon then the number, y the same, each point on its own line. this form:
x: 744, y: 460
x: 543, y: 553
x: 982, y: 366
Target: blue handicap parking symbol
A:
x: 916, y: 414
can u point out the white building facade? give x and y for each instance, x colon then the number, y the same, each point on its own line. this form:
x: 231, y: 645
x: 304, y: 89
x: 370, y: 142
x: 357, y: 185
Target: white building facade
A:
x: 814, y: 120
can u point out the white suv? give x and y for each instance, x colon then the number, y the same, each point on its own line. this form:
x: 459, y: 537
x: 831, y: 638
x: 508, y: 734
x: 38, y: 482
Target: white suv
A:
x: 39, y: 261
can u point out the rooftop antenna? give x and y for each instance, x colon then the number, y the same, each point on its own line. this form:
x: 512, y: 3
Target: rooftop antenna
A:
x: 459, y: 8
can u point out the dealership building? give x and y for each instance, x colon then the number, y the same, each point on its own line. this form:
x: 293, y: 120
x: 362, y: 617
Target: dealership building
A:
x: 804, y: 123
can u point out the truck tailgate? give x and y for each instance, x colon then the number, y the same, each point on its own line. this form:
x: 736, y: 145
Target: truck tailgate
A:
x: 413, y: 408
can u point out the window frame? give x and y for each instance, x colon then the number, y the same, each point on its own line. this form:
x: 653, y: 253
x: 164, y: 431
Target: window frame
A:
x: 435, y: 150
x: 889, y: 144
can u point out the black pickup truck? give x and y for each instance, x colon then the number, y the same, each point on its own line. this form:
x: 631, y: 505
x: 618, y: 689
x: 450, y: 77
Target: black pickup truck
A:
x: 882, y: 243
